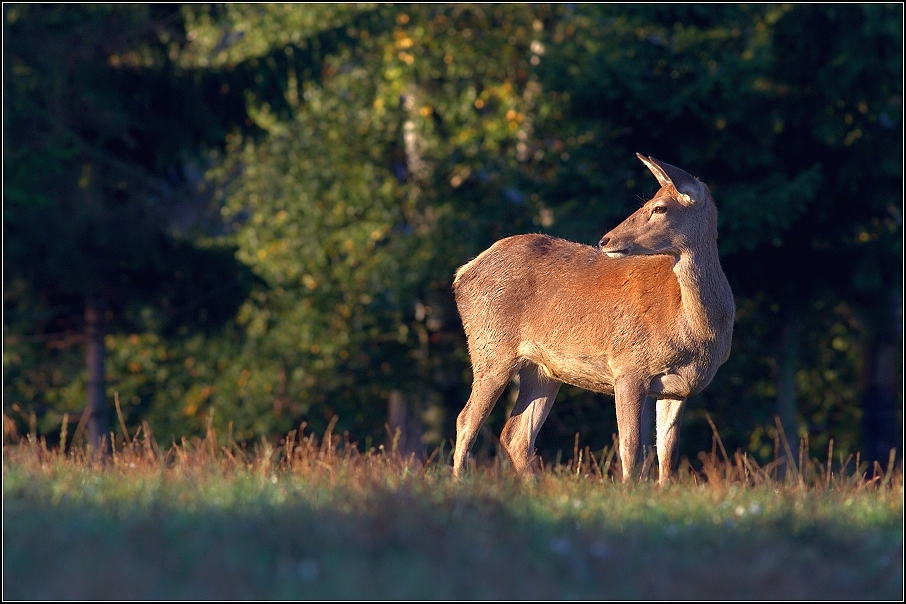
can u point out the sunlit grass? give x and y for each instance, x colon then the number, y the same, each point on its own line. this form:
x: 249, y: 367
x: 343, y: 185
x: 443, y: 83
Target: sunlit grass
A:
x: 316, y: 518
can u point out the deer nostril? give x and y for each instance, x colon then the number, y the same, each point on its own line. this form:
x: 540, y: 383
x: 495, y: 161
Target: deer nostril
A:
x: 604, y: 241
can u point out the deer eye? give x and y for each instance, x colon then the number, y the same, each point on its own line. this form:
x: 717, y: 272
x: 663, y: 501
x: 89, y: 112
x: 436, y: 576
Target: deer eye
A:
x: 659, y: 210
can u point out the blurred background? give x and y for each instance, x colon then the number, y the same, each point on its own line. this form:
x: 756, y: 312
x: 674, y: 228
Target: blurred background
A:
x: 248, y: 217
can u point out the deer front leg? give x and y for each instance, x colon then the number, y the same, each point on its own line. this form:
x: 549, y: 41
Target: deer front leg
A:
x: 536, y: 397
x: 486, y: 388
x: 630, y: 393
x: 669, y: 414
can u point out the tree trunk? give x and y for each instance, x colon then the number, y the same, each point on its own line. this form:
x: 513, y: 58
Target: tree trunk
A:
x: 787, y: 407
x: 96, y: 404
x: 882, y: 429
x: 405, y: 432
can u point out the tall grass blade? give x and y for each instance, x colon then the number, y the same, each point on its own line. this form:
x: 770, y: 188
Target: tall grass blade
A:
x: 119, y: 415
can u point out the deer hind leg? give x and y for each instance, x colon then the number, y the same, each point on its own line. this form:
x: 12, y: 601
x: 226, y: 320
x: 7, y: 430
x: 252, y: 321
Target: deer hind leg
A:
x: 536, y: 397
x: 669, y: 414
x: 486, y: 389
x: 631, y: 394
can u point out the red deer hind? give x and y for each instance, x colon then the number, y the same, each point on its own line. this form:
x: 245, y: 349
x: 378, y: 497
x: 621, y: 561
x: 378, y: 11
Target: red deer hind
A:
x: 649, y: 313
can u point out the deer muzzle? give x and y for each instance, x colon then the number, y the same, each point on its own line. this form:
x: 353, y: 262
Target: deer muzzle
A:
x: 611, y: 253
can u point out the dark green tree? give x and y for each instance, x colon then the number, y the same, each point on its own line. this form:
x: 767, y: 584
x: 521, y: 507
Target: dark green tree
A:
x: 101, y: 131
x: 791, y: 114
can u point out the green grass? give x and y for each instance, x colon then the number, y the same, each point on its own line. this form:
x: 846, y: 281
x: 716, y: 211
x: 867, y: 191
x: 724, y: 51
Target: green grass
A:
x: 311, y: 520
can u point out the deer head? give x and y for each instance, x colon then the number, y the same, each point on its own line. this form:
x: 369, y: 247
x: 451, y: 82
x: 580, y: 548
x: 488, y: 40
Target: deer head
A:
x: 669, y: 223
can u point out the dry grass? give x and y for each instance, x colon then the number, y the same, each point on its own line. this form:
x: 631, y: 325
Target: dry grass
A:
x: 314, y: 518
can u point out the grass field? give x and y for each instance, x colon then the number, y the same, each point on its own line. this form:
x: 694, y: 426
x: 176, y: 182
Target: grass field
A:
x: 314, y: 519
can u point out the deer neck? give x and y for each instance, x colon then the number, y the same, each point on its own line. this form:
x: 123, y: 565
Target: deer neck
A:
x: 707, y: 301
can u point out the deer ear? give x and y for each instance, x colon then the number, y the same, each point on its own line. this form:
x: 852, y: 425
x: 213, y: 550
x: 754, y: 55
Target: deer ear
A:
x: 691, y: 190
x: 659, y: 174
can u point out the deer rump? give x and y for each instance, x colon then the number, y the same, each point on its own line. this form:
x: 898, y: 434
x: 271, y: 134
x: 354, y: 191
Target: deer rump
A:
x: 567, y: 308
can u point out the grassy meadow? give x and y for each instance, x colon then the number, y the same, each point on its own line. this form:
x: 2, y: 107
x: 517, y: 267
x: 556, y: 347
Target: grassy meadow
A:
x: 314, y: 518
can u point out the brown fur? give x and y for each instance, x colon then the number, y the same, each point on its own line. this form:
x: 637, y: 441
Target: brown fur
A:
x: 656, y: 321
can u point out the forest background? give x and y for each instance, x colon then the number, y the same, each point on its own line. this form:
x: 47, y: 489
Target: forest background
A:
x: 248, y: 217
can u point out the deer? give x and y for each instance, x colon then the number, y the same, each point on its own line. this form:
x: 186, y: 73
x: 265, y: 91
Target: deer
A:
x: 648, y: 313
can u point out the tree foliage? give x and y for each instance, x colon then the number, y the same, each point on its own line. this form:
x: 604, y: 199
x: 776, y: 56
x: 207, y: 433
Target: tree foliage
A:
x: 101, y: 132
x: 358, y: 153
x: 795, y: 128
